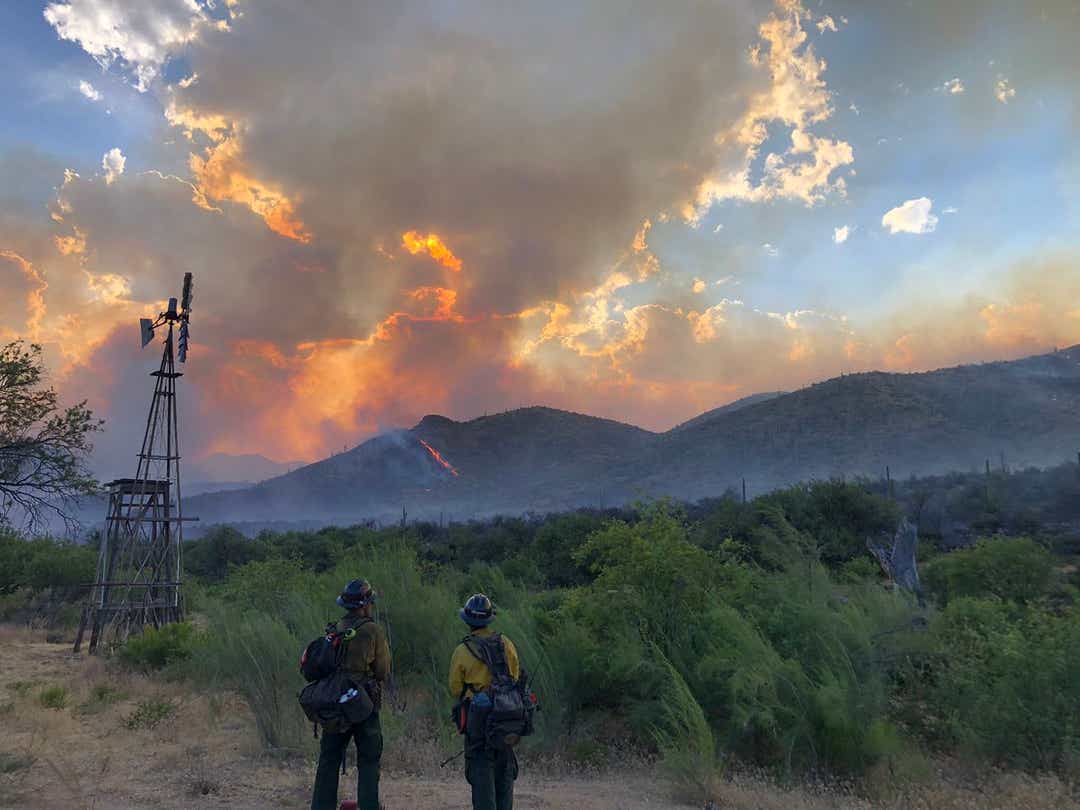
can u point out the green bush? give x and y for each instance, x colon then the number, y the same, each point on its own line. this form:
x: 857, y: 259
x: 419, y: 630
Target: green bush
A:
x: 54, y: 697
x: 150, y: 713
x: 102, y: 695
x: 158, y: 647
x: 43, y: 563
x: 756, y: 631
x: 784, y: 672
x: 1012, y: 569
x: 1008, y: 683
x: 13, y: 763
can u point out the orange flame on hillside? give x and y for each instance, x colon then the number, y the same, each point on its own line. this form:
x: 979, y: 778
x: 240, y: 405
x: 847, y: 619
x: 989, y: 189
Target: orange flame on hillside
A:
x: 433, y: 246
x: 435, y: 454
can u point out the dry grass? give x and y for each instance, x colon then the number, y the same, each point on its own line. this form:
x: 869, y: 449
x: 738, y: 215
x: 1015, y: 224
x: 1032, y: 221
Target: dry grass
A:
x: 207, y: 754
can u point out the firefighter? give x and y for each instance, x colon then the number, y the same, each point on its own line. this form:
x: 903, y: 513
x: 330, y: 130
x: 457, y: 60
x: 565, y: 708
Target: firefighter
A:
x: 490, y: 772
x: 367, y: 660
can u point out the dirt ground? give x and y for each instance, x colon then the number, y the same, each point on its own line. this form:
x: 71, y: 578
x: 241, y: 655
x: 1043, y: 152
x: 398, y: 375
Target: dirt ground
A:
x: 85, y: 755
x: 119, y: 740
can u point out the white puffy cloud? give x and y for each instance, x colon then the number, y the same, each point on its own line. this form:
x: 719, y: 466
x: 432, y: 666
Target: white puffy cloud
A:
x: 826, y: 23
x: 841, y: 234
x: 89, y: 90
x: 1003, y: 90
x: 912, y: 217
x: 797, y: 97
x: 698, y: 286
x: 134, y: 36
x: 953, y: 86
x: 113, y: 164
x: 770, y: 250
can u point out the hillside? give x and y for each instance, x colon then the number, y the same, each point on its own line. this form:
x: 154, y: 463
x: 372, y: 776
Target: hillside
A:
x: 541, y: 459
x: 532, y: 459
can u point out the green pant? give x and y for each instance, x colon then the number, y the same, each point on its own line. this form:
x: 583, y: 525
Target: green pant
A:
x: 491, y: 774
x: 369, y: 744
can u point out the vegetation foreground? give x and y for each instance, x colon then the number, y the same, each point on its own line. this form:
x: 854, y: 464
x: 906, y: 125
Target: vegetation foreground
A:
x: 748, y: 654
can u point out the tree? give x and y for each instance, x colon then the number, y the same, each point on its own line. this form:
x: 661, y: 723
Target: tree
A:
x: 43, y: 448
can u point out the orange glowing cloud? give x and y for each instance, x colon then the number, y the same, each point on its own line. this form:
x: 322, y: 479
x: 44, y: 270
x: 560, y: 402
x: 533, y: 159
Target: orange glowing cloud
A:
x: 433, y: 246
x: 35, y: 298
x: 221, y: 175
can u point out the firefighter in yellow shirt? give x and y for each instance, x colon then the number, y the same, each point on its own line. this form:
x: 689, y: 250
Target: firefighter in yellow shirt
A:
x: 490, y: 772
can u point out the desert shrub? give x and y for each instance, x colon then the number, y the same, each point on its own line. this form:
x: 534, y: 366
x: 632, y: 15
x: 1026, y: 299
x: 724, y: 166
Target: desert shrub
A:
x: 157, y: 647
x: 213, y: 555
x: 54, y: 697
x: 102, y: 695
x: 13, y: 763
x: 1009, y: 681
x: 783, y: 671
x: 257, y: 655
x: 150, y: 713
x: 43, y: 563
x: 1014, y: 569
x: 837, y: 514
x: 22, y: 688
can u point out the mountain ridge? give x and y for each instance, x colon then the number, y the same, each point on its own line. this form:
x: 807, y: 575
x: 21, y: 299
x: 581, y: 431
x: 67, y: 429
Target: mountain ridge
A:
x: 543, y: 459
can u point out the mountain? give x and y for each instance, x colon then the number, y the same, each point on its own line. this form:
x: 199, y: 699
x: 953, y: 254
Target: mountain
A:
x: 532, y: 459
x: 731, y: 407
x: 223, y: 468
x: 541, y: 459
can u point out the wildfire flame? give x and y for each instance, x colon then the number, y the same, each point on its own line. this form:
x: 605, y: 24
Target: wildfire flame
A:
x: 433, y: 246
x: 435, y: 454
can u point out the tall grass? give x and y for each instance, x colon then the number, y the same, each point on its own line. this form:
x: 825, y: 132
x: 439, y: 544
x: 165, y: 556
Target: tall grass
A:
x: 264, y: 615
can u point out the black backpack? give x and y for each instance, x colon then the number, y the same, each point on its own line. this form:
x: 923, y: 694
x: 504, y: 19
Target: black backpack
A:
x: 332, y: 699
x: 511, y: 714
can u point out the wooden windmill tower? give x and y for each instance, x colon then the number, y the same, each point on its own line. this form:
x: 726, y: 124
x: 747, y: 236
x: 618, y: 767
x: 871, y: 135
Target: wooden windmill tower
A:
x: 139, y: 568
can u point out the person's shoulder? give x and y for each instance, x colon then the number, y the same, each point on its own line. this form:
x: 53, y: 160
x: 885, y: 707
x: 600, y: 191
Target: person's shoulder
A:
x: 371, y: 628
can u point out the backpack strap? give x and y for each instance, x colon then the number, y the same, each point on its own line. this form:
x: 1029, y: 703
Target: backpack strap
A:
x: 490, y: 651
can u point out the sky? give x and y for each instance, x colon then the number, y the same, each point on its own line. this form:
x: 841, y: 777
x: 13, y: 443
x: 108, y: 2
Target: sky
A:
x: 636, y: 210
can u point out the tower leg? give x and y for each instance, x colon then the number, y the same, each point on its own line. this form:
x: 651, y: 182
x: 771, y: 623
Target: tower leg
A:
x: 82, y: 627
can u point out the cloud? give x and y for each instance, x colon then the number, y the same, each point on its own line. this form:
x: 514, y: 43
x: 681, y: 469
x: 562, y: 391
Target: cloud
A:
x: 137, y: 37
x: 89, y: 91
x: 223, y: 175
x: 770, y: 250
x: 826, y: 23
x: 912, y: 217
x: 33, y: 310
x: 1003, y: 90
x: 291, y: 184
x: 841, y: 234
x: 797, y: 97
x: 698, y: 286
x: 950, y: 210
x: 113, y: 163
x: 953, y: 87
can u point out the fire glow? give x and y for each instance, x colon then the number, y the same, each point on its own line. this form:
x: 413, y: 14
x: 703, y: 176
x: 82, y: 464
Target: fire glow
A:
x: 435, y: 454
x: 433, y: 246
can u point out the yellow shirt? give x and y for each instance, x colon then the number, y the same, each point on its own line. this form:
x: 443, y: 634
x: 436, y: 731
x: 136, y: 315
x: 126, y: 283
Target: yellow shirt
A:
x: 466, y: 670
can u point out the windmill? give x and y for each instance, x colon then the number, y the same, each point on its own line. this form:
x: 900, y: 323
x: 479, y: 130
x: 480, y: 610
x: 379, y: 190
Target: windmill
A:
x: 139, y: 572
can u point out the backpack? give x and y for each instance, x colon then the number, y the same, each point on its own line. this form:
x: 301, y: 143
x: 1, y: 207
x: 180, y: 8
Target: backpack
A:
x: 332, y: 699
x: 512, y: 706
